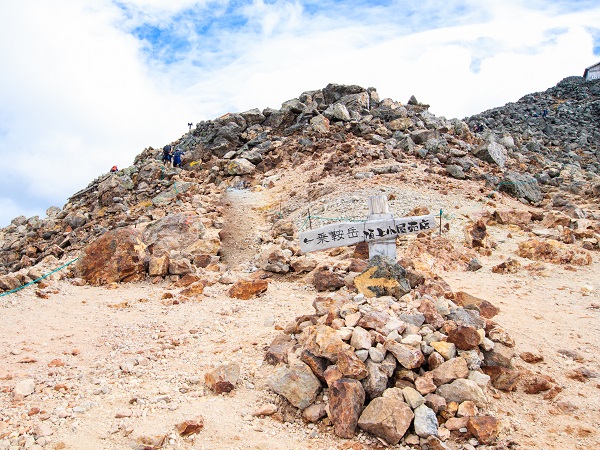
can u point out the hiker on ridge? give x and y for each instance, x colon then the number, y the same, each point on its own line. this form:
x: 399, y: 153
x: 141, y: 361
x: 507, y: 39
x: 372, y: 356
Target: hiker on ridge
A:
x: 177, y: 157
x: 167, y: 155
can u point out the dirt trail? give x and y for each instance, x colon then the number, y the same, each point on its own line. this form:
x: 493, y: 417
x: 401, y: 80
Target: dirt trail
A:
x: 243, y: 219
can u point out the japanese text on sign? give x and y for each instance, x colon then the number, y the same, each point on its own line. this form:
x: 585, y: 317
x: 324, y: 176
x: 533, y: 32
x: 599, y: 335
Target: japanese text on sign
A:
x: 340, y: 234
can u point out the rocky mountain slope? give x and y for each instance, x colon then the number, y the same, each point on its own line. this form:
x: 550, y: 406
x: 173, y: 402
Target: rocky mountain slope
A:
x: 532, y: 158
x: 419, y: 365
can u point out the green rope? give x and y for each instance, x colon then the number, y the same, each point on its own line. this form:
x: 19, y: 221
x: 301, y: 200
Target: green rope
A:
x: 304, y: 224
x: 39, y: 279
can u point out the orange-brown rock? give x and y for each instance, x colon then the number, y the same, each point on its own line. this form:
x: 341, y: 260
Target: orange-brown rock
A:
x: 554, y: 252
x: 187, y: 280
x: 512, y: 216
x: 485, y: 308
x: 502, y: 378
x: 361, y: 250
x: 350, y: 365
x: 193, y: 290
x: 531, y: 358
x: 246, y: 289
x: 535, y: 384
x: 191, y: 426
x: 465, y: 338
x: 158, y: 266
x: 476, y: 235
x: 325, y: 280
x: 117, y: 255
x: 484, y: 428
x: 346, y: 403
x: 508, y: 266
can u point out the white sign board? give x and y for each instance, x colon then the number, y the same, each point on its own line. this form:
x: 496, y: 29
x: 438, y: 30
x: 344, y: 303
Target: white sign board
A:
x: 349, y: 233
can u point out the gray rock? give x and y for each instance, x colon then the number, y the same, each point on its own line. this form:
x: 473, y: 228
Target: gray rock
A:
x: 462, y: 390
x: 375, y: 383
x: 337, y: 111
x: 492, y: 152
x: 426, y: 423
x: 466, y: 318
x: 297, y: 383
x: 521, y: 185
x: 412, y: 397
x: 455, y: 171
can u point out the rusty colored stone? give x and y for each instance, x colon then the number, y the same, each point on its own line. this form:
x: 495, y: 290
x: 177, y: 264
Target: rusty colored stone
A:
x: 279, y: 349
x: 187, y: 280
x: 350, y: 365
x: 158, y: 266
x: 508, y: 266
x: 484, y: 428
x: 465, y: 338
x: 531, y: 358
x: 485, y: 308
x: 316, y: 364
x: 554, y: 252
x: 246, y: 289
x: 192, y: 426
x: 432, y: 316
x: 537, y: 383
x: 346, y: 402
x: 502, y: 378
x: 324, y: 280
x: 193, y: 290
x: 115, y: 256
x: 361, y: 251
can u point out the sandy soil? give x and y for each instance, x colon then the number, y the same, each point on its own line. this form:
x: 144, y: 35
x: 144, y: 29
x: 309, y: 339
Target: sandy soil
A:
x: 115, y: 366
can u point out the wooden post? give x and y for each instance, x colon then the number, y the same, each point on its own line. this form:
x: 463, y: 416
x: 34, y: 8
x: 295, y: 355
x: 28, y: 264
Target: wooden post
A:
x: 378, y: 209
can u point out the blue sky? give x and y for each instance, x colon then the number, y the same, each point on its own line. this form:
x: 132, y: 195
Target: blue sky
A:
x: 87, y: 84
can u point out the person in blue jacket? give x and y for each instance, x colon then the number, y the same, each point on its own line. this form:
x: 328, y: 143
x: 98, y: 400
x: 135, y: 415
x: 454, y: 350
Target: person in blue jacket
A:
x: 177, y: 157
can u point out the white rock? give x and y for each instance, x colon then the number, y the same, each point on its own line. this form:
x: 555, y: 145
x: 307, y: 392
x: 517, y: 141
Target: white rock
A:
x: 25, y: 387
x: 480, y: 378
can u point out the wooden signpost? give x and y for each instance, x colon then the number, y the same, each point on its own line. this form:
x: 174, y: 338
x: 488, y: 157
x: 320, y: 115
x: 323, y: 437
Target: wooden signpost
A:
x: 379, y: 230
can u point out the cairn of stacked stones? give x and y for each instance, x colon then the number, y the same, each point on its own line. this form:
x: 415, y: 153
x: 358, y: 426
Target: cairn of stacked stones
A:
x: 410, y: 369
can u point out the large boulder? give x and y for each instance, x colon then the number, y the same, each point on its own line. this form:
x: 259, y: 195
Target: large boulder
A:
x: 521, y: 185
x: 175, y: 232
x: 493, y: 153
x: 117, y: 255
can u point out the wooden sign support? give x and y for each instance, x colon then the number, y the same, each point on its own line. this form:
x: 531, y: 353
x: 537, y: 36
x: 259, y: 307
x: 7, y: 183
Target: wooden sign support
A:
x: 378, y: 210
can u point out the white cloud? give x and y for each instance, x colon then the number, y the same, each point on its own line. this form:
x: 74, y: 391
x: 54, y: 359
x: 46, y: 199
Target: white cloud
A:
x: 81, y: 93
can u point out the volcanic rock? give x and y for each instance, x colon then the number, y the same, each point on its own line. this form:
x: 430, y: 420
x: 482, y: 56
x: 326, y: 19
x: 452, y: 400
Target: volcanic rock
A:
x: 387, y: 418
x: 346, y: 403
x: 118, y: 255
x: 297, y: 383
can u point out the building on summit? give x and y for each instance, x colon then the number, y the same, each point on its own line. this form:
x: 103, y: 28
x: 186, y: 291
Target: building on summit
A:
x: 592, y: 72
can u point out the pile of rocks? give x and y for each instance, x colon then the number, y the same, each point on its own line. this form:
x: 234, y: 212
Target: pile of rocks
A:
x: 407, y: 369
